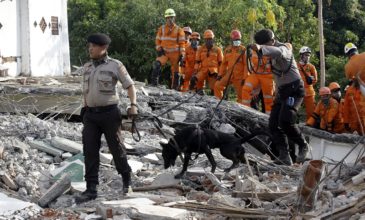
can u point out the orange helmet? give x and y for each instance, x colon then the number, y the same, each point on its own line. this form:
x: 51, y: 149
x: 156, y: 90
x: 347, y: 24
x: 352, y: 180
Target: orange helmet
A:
x: 324, y: 91
x: 236, y: 35
x: 208, y: 34
x: 195, y: 35
x: 334, y: 85
x: 187, y: 29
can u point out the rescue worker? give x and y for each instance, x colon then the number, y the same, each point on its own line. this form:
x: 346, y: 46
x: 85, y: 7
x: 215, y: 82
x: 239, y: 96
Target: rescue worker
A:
x: 233, y: 69
x: 100, y: 114
x: 309, y: 76
x: 190, y: 54
x: 288, y: 98
x: 355, y: 71
x: 187, y: 30
x: 328, y: 111
x: 207, y: 62
x: 260, y: 78
x: 351, y: 108
x: 170, y: 46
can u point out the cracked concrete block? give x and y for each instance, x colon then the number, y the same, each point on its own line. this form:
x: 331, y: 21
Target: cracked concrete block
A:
x: 57, y: 189
x: 106, y: 158
x: 66, y: 145
x: 8, y: 180
x: 165, y: 179
x: 42, y: 146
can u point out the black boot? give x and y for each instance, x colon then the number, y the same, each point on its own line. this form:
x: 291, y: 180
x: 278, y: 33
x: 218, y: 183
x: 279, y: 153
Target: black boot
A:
x: 126, y: 181
x: 89, y: 194
x: 284, y: 158
x: 155, y: 74
x: 176, y: 82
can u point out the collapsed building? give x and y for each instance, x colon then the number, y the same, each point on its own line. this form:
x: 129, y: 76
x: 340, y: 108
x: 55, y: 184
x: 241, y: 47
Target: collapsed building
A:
x: 42, y: 164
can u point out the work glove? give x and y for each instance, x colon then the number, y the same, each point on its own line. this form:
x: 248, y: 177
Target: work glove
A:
x: 160, y: 52
x: 347, y: 127
x: 132, y: 111
x: 193, y: 82
x: 182, y: 60
x: 242, y: 82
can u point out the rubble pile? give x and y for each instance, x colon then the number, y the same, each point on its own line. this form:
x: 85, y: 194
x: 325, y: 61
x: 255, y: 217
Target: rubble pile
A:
x: 42, y: 169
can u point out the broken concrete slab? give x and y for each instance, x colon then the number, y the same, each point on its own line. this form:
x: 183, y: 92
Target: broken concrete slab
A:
x: 135, y: 165
x: 106, y: 158
x: 57, y: 189
x: 10, y: 205
x: 66, y: 145
x: 8, y: 180
x: 74, y: 169
x: 165, y: 179
x: 151, y: 158
x: 42, y: 146
x: 140, y: 208
x: 78, y: 187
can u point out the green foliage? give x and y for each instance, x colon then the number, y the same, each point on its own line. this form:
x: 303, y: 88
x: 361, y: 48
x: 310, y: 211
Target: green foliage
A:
x: 335, y: 70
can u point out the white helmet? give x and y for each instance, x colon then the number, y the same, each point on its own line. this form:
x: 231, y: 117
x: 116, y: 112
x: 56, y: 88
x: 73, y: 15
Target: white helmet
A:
x: 349, y: 46
x: 305, y: 49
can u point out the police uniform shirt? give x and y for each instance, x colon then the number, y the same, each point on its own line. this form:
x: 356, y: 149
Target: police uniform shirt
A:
x: 99, y: 82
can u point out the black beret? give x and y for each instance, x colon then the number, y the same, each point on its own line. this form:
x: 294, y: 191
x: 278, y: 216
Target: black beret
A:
x: 99, y: 39
x: 263, y: 36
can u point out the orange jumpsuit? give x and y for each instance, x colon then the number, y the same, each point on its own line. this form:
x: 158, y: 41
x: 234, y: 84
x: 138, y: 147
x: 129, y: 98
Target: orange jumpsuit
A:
x: 330, y: 118
x: 351, y: 108
x: 207, y: 64
x: 188, y: 70
x: 172, y: 41
x: 307, y: 70
x: 234, y: 63
x: 261, y: 76
x: 354, y: 66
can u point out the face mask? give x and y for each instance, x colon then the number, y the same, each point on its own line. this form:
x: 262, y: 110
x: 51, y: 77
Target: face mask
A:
x: 170, y: 21
x: 209, y: 43
x: 236, y: 43
x: 325, y: 100
x: 304, y: 59
x: 194, y: 43
x: 337, y: 94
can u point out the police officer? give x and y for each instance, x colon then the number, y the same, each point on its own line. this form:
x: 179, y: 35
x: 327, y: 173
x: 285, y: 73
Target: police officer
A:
x: 101, y: 115
x: 289, y: 96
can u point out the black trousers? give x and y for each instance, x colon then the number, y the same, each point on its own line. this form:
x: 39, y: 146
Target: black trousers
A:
x: 97, y: 122
x: 282, y: 121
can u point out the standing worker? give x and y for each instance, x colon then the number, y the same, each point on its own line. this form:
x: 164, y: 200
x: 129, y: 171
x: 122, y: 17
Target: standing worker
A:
x: 207, y: 62
x: 233, y: 69
x: 289, y: 96
x: 355, y: 72
x: 100, y: 114
x: 309, y: 76
x: 189, y: 61
x: 170, y: 46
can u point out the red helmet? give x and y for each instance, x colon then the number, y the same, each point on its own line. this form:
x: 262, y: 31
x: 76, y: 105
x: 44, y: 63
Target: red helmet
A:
x: 334, y: 85
x: 236, y: 35
x: 324, y: 91
x: 195, y: 35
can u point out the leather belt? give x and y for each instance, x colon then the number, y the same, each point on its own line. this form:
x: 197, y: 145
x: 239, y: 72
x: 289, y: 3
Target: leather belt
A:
x: 101, y: 108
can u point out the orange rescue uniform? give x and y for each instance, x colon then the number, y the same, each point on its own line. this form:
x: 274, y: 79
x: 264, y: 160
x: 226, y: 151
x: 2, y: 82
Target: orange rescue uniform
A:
x: 188, y: 70
x: 261, y: 76
x: 330, y: 118
x: 308, y: 70
x: 234, y: 63
x: 172, y: 41
x: 351, y: 109
x: 354, y: 66
x: 207, y: 64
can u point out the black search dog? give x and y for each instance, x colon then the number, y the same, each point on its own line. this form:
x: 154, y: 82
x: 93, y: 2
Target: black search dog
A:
x: 198, y: 140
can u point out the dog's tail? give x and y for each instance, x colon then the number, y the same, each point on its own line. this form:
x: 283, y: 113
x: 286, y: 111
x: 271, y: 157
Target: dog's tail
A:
x: 254, y: 134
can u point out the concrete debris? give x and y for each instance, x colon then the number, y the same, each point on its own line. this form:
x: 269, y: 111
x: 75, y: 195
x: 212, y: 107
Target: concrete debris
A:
x: 41, y: 159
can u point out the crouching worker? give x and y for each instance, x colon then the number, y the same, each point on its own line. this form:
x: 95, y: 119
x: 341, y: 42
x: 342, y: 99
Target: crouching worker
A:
x: 289, y: 97
x: 327, y: 113
x: 100, y: 114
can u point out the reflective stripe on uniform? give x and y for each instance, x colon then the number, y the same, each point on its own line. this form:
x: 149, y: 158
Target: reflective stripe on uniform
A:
x: 170, y: 49
x: 267, y: 96
x: 169, y: 38
x: 245, y: 101
x: 249, y: 84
